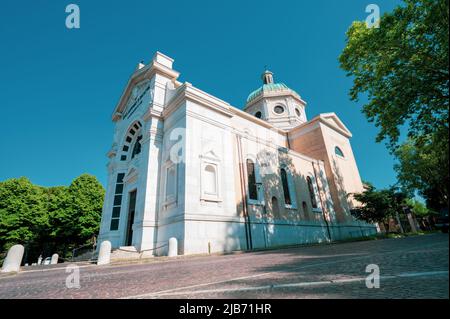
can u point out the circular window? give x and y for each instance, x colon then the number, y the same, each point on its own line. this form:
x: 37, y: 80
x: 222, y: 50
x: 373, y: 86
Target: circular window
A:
x: 297, y: 111
x: 258, y: 114
x: 278, y: 109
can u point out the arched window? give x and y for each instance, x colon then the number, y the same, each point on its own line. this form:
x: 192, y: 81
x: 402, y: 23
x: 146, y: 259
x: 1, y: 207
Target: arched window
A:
x: 297, y: 111
x: 338, y: 151
x: 312, y: 194
x: 251, y: 177
x: 133, y: 131
x: 137, y: 147
x: 284, y: 182
x: 258, y: 114
x: 210, y: 180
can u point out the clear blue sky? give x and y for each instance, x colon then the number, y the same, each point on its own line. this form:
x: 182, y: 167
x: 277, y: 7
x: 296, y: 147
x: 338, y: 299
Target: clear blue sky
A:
x: 58, y: 87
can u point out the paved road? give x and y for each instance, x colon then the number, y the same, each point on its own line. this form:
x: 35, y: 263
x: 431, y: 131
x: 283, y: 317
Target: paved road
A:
x: 413, y: 267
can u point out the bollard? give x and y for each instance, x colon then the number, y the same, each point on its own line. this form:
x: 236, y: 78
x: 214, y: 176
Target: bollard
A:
x: 13, y: 259
x: 54, y: 260
x: 173, y: 247
x: 104, y: 254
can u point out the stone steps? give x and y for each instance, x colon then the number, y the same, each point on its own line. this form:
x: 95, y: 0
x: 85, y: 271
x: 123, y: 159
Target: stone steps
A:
x: 128, y: 253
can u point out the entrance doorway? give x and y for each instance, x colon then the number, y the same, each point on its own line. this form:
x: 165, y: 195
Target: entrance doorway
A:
x: 131, y: 210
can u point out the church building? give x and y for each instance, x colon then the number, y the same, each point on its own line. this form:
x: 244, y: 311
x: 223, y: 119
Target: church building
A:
x: 186, y: 164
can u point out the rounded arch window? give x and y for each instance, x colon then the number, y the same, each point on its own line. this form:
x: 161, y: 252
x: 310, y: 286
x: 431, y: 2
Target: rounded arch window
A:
x: 338, y: 151
x: 278, y: 109
x: 210, y: 179
x: 258, y: 114
x: 297, y: 111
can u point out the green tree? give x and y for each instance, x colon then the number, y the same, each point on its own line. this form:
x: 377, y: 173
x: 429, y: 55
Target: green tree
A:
x: 379, y: 206
x: 423, y: 166
x: 403, y: 69
x: 418, y: 208
x: 23, y: 218
x: 49, y: 219
x: 85, y: 207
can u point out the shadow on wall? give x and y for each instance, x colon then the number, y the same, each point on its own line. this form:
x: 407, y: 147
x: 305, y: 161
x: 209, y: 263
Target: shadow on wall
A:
x: 283, y: 213
x: 343, y: 211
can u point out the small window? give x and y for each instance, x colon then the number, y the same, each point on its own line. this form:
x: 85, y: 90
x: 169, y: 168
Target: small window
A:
x: 114, y: 224
x: 117, y: 200
x: 137, y: 147
x: 258, y: 114
x: 119, y: 188
x: 312, y: 193
x: 297, y: 111
x: 123, y: 158
x: 116, y: 212
x: 278, y: 109
x: 284, y: 181
x: 120, y: 177
x: 305, y: 207
x: 275, y: 208
x: 251, y: 177
x: 338, y: 151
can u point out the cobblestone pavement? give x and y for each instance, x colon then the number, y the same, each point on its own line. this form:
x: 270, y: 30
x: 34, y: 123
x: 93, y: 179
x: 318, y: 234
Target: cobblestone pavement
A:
x: 413, y: 267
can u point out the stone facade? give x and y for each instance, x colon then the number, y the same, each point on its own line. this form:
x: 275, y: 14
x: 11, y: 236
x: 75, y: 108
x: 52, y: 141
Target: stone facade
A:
x: 188, y: 165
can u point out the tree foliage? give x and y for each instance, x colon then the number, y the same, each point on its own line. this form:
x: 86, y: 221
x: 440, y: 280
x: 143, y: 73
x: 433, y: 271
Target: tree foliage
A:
x: 54, y: 219
x: 378, y: 206
x: 22, y: 212
x: 423, y: 166
x: 403, y: 68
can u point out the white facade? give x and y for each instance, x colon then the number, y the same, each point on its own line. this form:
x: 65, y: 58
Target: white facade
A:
x: 188, y: 165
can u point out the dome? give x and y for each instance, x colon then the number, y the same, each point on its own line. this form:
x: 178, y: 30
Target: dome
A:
x: 269, y: 86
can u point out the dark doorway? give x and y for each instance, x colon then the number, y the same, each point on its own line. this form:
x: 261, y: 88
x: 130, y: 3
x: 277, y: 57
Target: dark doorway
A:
x: 131, y: 210
x: 275, y: 208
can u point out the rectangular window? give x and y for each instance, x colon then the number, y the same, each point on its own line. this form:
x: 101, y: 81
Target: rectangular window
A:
x: 117, y: 200
x: 114, y: 224
x: 116, y: 212
x: 119, y: 188
x: 251, y: 180
x: 115, y: 216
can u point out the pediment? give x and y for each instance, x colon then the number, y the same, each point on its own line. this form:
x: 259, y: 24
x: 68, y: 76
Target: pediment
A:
x: 333, y: 121
x: 211, y: 155
x: 138, y: 94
